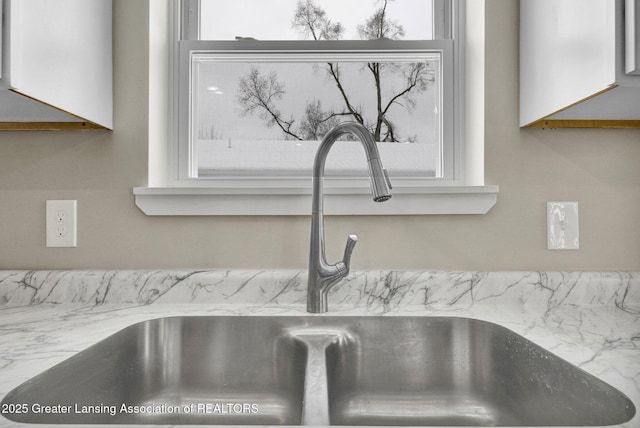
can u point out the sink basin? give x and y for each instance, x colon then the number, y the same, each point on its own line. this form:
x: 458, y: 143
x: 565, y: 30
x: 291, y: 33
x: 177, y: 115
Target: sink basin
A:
x: 420, y: 371
x: 211, y: 363
x: 460, y: 372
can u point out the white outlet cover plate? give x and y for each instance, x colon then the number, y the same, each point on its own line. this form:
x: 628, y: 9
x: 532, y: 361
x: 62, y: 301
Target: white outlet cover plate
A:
x: 562, y: 226
x: 61, y: 223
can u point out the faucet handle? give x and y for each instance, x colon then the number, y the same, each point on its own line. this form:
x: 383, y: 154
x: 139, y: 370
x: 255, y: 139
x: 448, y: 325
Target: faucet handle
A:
x: 352, y: 240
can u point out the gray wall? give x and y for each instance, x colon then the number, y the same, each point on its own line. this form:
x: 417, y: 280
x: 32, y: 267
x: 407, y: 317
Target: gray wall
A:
x: 597, y: 168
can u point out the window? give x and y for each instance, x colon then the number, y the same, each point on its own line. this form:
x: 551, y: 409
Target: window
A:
x: 266, y: 115
x: 267, y: 79
x: 255, y: 84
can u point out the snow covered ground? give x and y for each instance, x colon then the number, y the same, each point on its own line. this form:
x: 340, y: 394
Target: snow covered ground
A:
x: 295, y: 158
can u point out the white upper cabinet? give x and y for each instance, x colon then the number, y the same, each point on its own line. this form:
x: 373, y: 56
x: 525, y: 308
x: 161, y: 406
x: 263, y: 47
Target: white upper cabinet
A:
x: 57, y: 65
x: 579, y: 63
x: 632, y: 36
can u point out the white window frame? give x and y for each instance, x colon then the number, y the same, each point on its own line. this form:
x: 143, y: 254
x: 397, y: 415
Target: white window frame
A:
x: 262, y: 195
x: 303, y: 51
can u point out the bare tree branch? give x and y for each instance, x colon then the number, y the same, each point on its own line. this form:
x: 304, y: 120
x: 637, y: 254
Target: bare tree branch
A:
x: 379, y: 26
x: 419, y: 78
x: 316, y: 122
x: 334, y: 71
x: 311, y: 20
x: 258, y: 93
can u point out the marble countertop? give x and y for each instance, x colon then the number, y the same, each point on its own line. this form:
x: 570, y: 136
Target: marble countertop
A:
x: 589, y: 319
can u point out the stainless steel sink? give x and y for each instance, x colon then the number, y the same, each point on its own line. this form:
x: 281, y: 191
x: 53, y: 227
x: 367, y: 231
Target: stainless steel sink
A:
x: 212, y: 363
x: 460, y: 372
x: 421, y: 371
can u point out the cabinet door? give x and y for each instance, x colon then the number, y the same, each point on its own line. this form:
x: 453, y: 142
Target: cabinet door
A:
x: 559, y: 40
x: 60, y: 55
x: 1, y: 40
x: 572, y: 65
x: 632, y: 37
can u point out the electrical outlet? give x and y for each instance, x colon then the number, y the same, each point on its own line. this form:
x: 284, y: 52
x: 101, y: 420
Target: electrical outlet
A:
x: 61, y: 223
x: 562, y: 226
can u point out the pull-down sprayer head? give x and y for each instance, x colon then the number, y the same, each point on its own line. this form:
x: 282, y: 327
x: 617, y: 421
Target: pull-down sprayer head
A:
x: 380, y: 183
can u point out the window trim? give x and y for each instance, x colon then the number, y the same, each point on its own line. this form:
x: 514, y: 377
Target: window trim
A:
x: 294, y: 198
x: 308, y: 50
x: 274, y: 196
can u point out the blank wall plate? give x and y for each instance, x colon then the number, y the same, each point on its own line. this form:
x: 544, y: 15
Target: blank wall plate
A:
x: 61, y: 223
x: 562, y: 226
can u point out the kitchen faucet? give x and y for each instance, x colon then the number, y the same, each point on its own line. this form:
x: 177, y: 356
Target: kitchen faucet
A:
x: 323, y: 276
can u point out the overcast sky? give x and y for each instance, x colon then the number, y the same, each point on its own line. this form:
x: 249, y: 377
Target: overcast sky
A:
x: 271, y: 19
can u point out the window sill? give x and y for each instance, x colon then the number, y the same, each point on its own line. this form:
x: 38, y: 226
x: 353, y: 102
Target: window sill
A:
x: 294, y: 198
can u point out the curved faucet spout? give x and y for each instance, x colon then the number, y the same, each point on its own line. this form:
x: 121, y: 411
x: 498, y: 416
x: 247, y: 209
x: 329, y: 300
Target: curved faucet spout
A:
x: 323, y: 276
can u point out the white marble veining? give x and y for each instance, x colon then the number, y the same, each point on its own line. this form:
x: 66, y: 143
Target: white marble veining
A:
x: 590, y: 319
x: 374, y: 289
